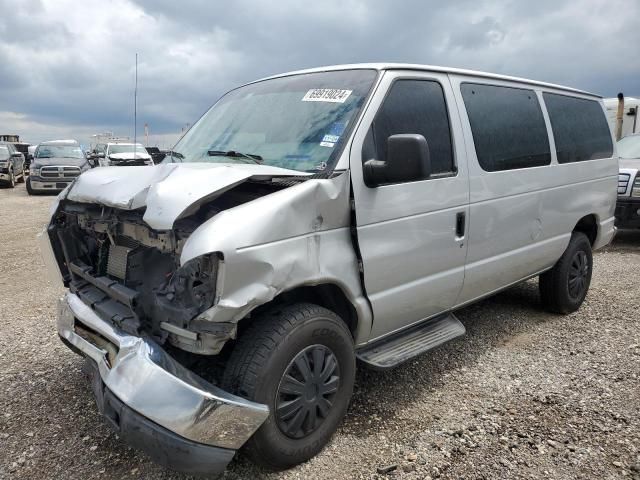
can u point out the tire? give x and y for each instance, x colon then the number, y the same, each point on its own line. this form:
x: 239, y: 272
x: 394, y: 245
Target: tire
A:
x: 30, y: 190
x: 11, y: 183
x: 565, y: 286
x: 269, y: 352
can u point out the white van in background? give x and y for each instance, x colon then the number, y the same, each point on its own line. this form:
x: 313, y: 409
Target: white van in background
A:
x: 311, y: 219
x: 630, y: 120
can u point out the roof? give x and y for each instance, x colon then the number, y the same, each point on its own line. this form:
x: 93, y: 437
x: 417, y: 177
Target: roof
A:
x: 428, y: 68
x: 60, y: 142
x: 612, y: 103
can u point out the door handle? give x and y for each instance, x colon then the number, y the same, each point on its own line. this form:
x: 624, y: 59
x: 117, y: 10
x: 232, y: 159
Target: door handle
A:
x: 460, y: 224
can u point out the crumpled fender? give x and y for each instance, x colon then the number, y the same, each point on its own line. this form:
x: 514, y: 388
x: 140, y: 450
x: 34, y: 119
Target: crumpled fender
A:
x: 296, y: 236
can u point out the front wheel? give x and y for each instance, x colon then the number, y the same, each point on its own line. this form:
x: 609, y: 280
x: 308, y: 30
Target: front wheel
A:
x: 30, y: 190
x: 12, y: 179
x: 565, y: 286
x: 298, y: 360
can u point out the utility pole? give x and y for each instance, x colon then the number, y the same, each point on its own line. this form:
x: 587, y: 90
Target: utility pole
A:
x: 135, y: 110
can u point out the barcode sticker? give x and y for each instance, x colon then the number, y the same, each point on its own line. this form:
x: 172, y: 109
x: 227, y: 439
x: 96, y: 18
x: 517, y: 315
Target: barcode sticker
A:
x: 333, y: 95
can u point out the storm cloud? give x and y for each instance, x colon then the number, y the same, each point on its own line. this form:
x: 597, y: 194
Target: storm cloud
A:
x: 67, y: 67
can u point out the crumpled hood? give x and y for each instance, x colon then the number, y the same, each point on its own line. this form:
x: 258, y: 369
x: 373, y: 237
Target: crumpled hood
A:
x: 167, y: 190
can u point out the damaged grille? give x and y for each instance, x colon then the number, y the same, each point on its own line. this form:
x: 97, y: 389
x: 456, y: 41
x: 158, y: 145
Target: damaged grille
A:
x: 129, y: 273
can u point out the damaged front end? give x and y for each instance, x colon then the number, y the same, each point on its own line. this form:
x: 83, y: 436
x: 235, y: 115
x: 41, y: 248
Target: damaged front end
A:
x: 131, y: 275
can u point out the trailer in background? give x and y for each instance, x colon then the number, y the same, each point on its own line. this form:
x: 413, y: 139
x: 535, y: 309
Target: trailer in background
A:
x: 622, y: 115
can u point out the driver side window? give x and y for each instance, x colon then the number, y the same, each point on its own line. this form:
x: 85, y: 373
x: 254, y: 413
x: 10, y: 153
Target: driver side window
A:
x: 414, y: 107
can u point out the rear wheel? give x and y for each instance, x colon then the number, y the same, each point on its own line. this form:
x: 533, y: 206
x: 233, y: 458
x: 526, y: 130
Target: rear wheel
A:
x: 299, y: 361
x: 565, y: 286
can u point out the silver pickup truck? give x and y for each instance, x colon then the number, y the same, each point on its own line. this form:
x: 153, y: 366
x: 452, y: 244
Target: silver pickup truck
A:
x: 628, y: 206
x: 307, y: 220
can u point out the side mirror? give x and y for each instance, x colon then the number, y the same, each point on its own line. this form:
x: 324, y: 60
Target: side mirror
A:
x: 16, y: 154
x: 408, y: 159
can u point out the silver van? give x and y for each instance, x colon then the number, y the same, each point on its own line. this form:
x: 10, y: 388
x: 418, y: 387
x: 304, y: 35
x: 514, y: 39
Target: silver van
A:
x: 307, y: 220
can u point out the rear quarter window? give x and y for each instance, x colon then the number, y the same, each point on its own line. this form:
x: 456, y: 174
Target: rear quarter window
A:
x: 507, y: 125
x: 580, y: 128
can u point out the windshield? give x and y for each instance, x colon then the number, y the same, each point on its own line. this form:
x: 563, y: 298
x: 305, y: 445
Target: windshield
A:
x: 126, y: 148
x: 59, y: 151
x: 629, y: 147
x: 299, y: 122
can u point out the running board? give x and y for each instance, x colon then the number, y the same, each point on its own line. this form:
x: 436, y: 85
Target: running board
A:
x: 402, y: 346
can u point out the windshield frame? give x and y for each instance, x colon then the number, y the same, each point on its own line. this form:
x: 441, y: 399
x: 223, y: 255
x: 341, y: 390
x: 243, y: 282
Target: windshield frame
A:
x: 335, y: 156
x: 625, y: 139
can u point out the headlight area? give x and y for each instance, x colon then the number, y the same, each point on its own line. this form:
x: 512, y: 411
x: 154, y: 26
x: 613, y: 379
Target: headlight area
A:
x: 190, y: 291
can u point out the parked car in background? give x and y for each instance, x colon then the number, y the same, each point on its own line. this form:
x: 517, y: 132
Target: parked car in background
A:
x: 123, y: 154
x: 56, y: 163
x: 311, y: 219
x: 628, y: 123
x: 11, y: 164
x: 628, y: 206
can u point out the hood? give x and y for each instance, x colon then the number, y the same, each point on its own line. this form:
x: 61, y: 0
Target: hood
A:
x: 43, y: 162
x: 129, y: 156
x: 632, y: 163
x: 166, y: 190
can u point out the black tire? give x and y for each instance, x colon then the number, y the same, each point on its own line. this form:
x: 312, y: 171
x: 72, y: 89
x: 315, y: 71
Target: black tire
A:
x: 565, y: 286
x: 12, y: 179
x: 30, y: 190
x: 272, y: 347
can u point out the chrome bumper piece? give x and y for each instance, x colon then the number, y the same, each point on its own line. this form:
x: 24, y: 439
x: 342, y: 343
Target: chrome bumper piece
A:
x: 49, y: 185
x: 147, y: 380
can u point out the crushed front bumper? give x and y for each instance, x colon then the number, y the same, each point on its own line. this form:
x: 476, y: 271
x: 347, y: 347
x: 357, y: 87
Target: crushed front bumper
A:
x: 156, y: 404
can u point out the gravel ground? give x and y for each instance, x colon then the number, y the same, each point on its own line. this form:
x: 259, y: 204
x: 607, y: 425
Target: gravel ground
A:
x: 525, y: 395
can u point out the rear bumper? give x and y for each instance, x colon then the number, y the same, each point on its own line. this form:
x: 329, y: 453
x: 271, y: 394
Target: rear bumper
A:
x: 175, y: 416
x: 628, y: 213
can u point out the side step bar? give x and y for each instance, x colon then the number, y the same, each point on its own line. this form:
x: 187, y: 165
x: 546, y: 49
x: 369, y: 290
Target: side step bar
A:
x: 389, y: 352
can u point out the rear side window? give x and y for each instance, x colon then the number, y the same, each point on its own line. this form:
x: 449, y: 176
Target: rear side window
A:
x: 580, y: 128
x: 507, y: 126
x: 413, y: 106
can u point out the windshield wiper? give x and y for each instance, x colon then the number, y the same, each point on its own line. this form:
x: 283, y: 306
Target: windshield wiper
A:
x: 233, y: 154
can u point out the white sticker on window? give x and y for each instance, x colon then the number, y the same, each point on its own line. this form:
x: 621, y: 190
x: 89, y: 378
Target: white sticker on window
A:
x: 333, y: 95
x: 330, y: 138
x: 327, y: 144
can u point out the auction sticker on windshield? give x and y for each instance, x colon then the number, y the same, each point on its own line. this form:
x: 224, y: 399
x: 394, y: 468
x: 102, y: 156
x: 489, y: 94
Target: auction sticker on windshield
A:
x: 333, y: 95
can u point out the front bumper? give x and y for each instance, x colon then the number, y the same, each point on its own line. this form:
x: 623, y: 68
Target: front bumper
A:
x: 628, y: 212
x: 49, y: 185
x: 158, y: 403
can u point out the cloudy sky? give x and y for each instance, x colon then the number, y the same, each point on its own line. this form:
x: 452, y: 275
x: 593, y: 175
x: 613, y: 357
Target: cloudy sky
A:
x: 67, y: 67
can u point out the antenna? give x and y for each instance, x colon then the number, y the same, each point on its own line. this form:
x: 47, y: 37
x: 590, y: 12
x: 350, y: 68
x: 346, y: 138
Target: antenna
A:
x: 135, y: 111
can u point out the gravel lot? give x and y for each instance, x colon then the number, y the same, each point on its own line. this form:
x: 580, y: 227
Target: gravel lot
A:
x: 525, y: 395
